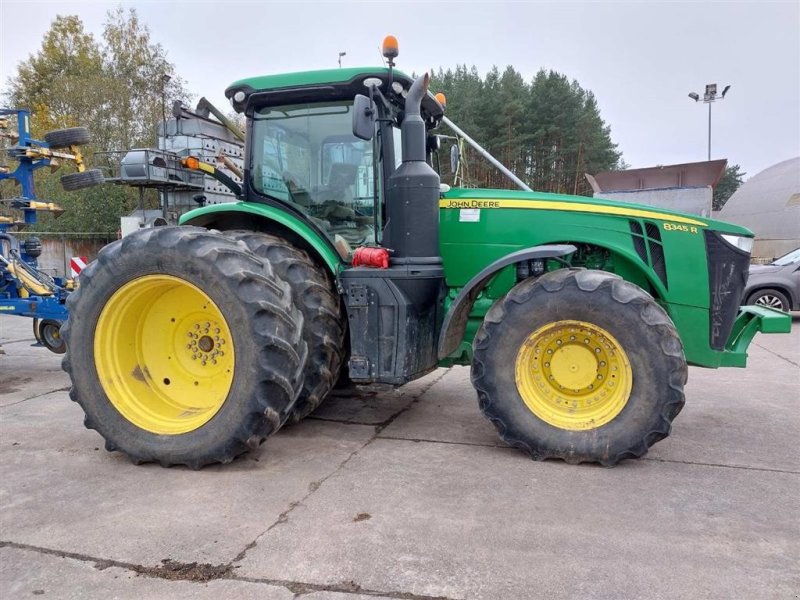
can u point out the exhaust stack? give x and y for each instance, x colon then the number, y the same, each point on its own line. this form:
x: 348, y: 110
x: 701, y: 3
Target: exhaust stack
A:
x: 413, y: 126
x: 412, y: 205
x: 395, y: 313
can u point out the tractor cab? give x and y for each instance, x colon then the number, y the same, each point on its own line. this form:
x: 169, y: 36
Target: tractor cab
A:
x: 304, y: 155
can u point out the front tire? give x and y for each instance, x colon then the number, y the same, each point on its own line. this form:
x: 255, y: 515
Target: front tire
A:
x: 579, y: 365
x: 182, y: 347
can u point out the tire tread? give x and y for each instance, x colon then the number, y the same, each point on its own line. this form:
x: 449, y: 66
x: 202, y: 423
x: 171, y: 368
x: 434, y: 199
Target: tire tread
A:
x: 316, y: 297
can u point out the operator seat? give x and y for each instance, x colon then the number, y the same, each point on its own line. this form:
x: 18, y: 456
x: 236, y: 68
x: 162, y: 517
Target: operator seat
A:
x: 341, y: 178
x: 337, y: 205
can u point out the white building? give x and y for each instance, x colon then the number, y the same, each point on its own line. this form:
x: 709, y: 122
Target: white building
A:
x: 769, y: 205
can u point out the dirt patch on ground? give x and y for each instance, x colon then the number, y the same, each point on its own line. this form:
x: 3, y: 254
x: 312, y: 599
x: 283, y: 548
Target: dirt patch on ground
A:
x: 171, y: 569
x: 9, y: 384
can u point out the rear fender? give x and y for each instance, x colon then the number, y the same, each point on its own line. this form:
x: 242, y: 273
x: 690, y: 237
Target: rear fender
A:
x: 455, y: 322
x: 270, y: 219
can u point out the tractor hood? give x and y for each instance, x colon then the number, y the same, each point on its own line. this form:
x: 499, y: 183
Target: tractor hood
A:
x: 486, y: 198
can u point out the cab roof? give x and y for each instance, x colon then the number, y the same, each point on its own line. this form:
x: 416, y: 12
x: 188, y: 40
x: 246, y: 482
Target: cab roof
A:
x: 309, y: 78
x: 321, y: 85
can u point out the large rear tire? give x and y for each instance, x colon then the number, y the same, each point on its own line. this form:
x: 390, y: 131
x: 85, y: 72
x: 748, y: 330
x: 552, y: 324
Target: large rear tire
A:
x: 579, y: 365
x: 323, y: 322
x: 183, y: 347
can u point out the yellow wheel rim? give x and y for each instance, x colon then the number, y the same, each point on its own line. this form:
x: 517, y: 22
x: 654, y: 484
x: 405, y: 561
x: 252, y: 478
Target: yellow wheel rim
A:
x: 573, y: 375
x: 164, y: 354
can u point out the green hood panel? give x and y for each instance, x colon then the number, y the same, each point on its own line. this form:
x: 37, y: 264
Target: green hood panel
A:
x: 562, y: 202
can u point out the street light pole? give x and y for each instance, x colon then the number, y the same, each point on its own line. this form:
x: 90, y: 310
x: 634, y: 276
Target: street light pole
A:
x: 341, y: 54
x: 709, y: 131
x: 710, y: 97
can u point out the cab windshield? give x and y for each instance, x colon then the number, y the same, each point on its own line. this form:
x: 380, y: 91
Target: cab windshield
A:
x: 306, y: 155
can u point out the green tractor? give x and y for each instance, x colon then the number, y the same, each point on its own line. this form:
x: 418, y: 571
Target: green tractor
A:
x: 347, y: 259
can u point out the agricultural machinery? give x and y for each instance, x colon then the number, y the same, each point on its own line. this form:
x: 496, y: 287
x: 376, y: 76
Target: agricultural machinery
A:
x: 345, y: 258
x: 26, y: 290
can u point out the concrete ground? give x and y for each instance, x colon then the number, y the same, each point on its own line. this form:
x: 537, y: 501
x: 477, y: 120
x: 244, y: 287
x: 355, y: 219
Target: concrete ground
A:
x: 407, y: 494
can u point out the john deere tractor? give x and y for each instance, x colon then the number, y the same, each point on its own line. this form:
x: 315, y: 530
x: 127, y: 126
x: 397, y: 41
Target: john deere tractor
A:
x: 346, y: 259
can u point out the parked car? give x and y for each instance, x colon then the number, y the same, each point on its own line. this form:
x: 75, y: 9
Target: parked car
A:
x: 776, y: 284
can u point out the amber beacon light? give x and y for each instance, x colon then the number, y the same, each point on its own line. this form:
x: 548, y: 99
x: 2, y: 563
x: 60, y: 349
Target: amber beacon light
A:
x: 390, y: 48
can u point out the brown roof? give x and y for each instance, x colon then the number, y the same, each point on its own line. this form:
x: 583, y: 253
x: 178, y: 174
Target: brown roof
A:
x: 686, y: 175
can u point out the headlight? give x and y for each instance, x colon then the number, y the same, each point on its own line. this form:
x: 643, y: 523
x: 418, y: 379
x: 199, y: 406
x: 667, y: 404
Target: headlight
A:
x: 743, y: 243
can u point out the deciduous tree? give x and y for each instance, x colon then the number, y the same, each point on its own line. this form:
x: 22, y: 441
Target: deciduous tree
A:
x: 117, y: 87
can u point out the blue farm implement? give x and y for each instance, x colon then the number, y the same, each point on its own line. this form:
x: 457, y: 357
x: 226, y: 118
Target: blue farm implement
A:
x: 26, y: 290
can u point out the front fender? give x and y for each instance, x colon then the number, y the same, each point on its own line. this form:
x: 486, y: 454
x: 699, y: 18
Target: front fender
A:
x: 455, y: 322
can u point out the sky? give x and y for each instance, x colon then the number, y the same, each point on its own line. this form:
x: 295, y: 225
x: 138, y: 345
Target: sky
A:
x: 641, y: 59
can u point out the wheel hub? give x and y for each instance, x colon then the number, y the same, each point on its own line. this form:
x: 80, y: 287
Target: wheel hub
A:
x: 771, y: 301
x: 572, y: 367
x: 206, y: 342
x: 573, y: 375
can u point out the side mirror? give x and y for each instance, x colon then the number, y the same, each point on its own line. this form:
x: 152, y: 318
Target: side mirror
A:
x: 454, y: 158
x: 363, y: 118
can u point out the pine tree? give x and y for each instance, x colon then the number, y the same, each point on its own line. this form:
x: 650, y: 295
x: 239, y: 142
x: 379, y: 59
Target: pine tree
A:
x: 549, y: 132
x: 730, y: 181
